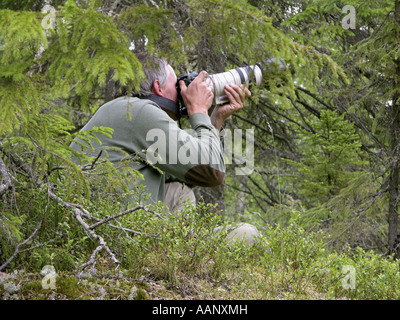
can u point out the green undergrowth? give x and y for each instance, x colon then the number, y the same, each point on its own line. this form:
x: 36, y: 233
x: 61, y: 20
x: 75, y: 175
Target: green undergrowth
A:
x: 183, y: 257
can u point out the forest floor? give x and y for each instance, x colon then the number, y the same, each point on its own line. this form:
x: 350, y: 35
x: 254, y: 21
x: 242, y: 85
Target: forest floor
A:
x: 115, y: 285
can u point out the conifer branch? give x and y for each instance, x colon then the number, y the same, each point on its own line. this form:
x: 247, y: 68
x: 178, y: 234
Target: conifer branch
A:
x: 16, y: 160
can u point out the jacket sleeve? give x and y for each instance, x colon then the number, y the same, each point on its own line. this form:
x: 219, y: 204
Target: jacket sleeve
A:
x: 194, y: 156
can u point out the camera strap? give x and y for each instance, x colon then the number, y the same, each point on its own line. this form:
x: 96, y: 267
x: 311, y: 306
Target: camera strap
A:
x: 164, y: 103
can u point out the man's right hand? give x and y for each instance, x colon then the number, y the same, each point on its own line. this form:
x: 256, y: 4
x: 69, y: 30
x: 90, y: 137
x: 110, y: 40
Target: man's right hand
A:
x: 198, y: 96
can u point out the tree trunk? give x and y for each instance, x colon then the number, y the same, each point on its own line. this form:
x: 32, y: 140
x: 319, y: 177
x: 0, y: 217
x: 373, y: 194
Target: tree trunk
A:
x: 393, y: 188
x: 109, y: 91
x: 240, y: 204
x: 393, y: 207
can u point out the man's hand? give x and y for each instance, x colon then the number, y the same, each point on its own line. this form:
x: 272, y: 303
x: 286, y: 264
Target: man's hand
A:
x: 237, y: 96
x: 197, y: 96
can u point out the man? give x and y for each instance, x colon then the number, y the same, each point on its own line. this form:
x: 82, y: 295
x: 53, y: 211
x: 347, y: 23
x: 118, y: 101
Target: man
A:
x: 145, y: 126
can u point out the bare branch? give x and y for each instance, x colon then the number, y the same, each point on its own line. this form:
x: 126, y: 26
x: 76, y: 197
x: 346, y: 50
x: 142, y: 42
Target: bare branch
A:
x: 78, y: 215
x: 16, y: 251
x: 122, y: 214
x: 91, y: 166
x: 92, y: 259
x: 315, y: 97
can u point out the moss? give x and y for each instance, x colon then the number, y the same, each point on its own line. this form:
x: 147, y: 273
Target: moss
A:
x: 32, y: 286
x: 33, y: 290
x: 142, y: 295
x: 68, y: 286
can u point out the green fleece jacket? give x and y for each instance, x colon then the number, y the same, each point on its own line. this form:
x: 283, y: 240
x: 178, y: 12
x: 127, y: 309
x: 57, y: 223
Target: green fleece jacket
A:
x: 142, y: 129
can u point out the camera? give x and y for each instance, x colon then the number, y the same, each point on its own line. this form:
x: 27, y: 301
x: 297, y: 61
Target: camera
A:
x: 245, y: 75
x: 249, y: 75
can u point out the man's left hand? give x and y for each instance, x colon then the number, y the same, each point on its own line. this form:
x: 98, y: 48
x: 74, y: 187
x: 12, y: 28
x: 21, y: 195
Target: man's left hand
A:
x: 237, y: 96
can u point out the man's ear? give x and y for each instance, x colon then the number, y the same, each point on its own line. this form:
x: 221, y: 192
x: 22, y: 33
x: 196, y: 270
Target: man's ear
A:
x: 157, y: 89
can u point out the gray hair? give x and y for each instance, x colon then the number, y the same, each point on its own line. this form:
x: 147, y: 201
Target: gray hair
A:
x: 154, y: 69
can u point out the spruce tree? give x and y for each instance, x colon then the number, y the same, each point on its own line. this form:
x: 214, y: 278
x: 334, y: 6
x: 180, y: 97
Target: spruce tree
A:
x: 54, y: 76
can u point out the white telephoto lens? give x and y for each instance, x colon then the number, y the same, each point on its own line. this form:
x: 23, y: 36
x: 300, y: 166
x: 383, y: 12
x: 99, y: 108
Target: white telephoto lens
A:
x: 245, y: 75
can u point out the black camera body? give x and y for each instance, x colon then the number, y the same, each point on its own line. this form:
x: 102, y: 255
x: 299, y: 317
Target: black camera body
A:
x: 187, y: 78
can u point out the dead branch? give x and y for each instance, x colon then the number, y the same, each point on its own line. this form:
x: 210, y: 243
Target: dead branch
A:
x: 16, y: 251
x: 78, y: 215
x: 274, y: 109
x: 122, y: 214
x: 127, y: 235
x: 92, y: 260
x: 319, y: 100
x: 92, y: 165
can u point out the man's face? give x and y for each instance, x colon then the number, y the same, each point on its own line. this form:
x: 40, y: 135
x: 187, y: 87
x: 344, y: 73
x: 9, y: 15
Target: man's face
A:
x: 170, y: 87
